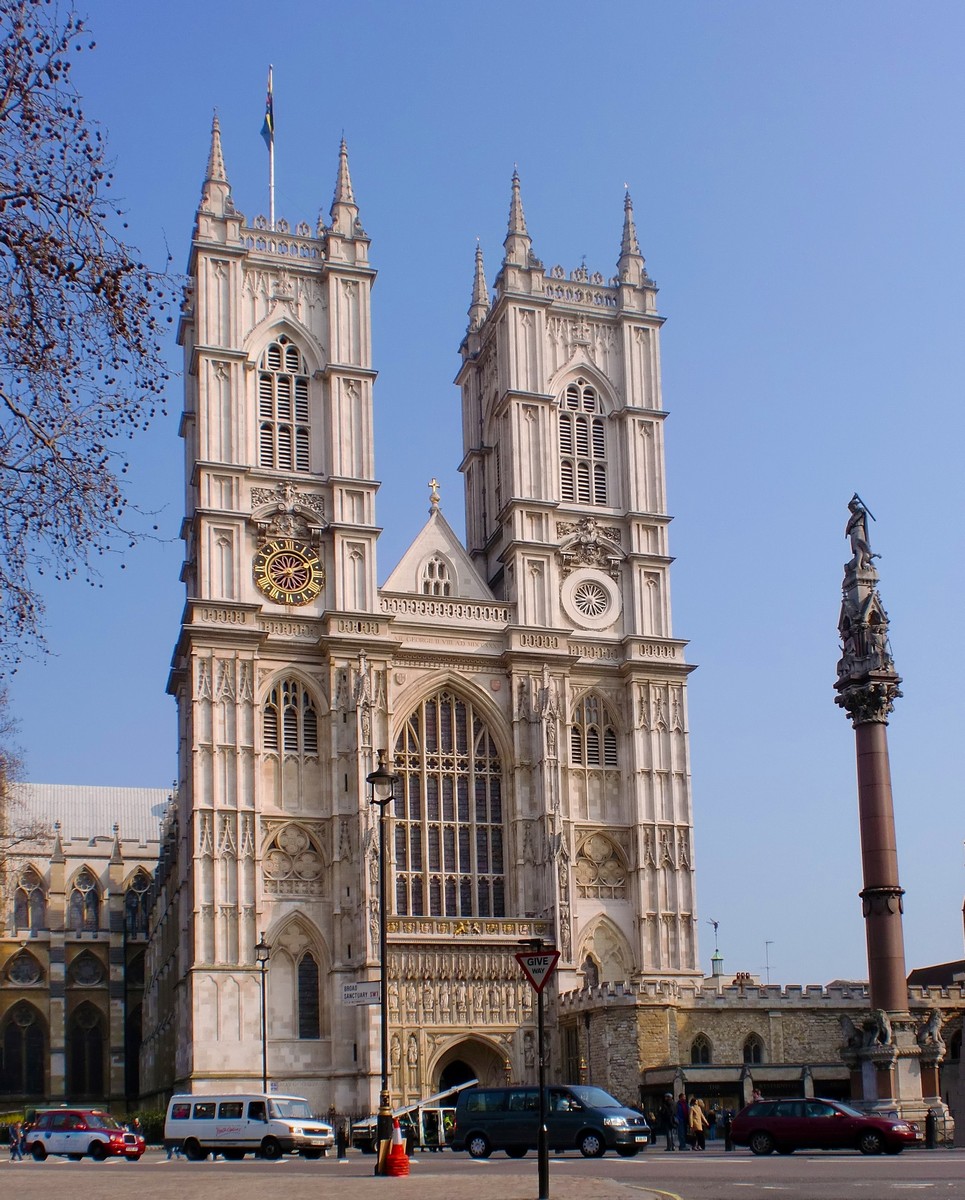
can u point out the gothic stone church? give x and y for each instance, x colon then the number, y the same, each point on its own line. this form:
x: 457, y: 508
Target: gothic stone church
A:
x: 527, y: 686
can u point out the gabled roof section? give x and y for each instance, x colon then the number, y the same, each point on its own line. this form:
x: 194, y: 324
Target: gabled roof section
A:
x: 437, y: 540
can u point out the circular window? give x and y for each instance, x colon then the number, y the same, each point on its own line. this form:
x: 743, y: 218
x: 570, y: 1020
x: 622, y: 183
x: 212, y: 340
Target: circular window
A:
x: 590, y: 599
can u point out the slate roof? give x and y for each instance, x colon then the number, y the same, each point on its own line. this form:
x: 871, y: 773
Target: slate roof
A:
x: 87, y: 812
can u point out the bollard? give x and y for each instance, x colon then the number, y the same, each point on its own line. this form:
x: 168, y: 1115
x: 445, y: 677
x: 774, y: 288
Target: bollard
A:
x: 931, y: 1130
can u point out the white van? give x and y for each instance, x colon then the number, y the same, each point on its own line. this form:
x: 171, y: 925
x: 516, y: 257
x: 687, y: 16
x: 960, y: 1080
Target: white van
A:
x: 242, y: 1123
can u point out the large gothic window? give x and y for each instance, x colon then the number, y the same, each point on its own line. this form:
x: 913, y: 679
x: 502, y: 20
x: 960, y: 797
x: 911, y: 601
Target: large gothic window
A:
x: 283, y: 427
x: 85, y: 1052
x: 289, y: 721
x: 583, y: 460
x: 30, y: 901
x: 83, y: 907
x: 448, y: 819
x: 23, y: 1052
x: 593, y: 738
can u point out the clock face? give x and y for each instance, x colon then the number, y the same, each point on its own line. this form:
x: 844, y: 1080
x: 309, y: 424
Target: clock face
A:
x: 288, y: 572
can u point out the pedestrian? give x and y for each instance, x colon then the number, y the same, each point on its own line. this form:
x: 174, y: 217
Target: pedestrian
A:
x: 698, y: 1124
x: 668, y: 1121
x: 683, y: 1121
x: 16, y: 1142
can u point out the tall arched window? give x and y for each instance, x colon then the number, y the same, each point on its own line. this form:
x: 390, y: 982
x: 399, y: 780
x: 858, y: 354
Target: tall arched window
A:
x: 289, y: 721
x: 137, y: 905
x: 83, y: 908
x: 593, y: 738
x: 448, y: 819
x: 283, y: 411
x: 700, y: 1054
x: 24, y: 1052
x: 583, y: 459
x: 309, y: 1015
x: 30, y: 901
x: 753, y: 1050
x: 85, y: 1052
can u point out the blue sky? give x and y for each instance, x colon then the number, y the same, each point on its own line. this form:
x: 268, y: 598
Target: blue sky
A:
x: 798, y: 183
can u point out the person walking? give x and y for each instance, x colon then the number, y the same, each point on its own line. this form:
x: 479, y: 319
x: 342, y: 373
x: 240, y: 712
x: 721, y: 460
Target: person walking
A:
x: 683, y: 1121
x: 668, y: 1121
x: 698, y: 1124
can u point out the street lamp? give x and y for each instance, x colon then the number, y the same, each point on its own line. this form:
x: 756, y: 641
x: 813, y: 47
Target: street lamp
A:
x: 380, y: 778
x: 262, y: 955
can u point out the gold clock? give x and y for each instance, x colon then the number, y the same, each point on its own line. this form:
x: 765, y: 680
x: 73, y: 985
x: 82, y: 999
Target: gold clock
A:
x: 288, y: 572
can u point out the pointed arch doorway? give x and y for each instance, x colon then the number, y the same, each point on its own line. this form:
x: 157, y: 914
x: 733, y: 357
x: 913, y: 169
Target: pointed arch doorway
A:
x: 471, y: 1059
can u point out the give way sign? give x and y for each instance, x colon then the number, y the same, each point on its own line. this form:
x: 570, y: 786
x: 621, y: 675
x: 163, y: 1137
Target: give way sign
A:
x: 538, y: 967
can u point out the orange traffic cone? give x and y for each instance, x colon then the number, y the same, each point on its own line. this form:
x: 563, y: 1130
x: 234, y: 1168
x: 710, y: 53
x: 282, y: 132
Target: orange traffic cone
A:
x: 397, y: 1163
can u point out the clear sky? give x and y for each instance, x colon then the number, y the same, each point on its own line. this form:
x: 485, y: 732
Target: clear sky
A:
x: 798, y: 180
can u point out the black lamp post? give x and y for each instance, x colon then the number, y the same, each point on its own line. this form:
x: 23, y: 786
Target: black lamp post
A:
x: 383, y: 778
x: 262, y: 955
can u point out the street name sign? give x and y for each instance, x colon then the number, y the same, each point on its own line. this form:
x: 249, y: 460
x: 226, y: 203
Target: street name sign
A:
x: 538, y: 967
x: 361, y: 993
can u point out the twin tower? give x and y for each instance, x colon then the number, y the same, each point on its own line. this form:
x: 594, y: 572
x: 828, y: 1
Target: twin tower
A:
x: 526, y: 686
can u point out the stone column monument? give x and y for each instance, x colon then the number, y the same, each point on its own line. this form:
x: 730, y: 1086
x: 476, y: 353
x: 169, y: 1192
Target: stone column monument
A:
x: 885, y: 1054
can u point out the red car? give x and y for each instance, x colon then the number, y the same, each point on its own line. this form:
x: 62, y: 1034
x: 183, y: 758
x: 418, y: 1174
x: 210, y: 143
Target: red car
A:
x: 789, y: 1125
x: 75, y: 1132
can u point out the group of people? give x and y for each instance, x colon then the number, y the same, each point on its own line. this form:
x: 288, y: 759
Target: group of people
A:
x: 686, y: 1124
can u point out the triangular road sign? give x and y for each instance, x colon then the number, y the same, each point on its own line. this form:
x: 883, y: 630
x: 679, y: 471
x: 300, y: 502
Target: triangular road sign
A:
x: 538, y: 967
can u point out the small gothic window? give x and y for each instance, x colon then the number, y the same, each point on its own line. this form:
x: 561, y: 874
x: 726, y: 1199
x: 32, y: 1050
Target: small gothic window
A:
x: 83, y: 909
x: 30, y: 901
x: 582, y: 444
x: 283, y: 408
x: 700, y: 1050
x: 309, y: 1017
x: 289, y: 721
x: 593, y: 738
x: 753, y: 1050
x: 435, y: 577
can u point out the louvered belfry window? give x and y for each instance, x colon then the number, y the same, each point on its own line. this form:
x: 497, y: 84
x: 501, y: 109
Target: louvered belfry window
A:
x: 448, y: 813
x: 283, y: 424
x: 583, y: 466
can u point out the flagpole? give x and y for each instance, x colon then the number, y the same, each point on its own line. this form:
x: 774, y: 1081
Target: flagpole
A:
x: 271, y: 160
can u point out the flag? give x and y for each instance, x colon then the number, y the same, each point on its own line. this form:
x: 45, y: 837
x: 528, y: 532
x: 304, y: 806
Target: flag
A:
x: 268, y: 127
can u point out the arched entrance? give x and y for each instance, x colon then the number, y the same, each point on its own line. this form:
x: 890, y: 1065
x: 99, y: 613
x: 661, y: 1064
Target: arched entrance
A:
x: 468, y: 1059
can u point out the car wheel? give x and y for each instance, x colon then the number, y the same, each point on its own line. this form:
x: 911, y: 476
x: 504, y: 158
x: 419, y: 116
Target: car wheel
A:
x: 193, y: 1152
x: 626, y: 1151
x: 591, y: 1145
x: 311, y: 1154
x: 271, y: 1148
x: 38, y: 1151
x: 478, y: 1146
x: 97, y: 1151
x: 871, y: 1142
x: 761, y: 1143
x: 516, y: 1151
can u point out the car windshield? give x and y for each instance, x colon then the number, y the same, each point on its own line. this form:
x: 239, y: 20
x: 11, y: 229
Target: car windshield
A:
x: 102, y: 1120
x: 594, y: 1097
x: 846, y: 1108
x: 291, y: 1109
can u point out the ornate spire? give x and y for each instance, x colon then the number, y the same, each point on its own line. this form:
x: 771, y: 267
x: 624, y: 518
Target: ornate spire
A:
x: 216, y: 192
x: 479, y: 307
x: 630, y: 264
x: 344, y: 214
x: 867, y: 683
x: 518, y: 243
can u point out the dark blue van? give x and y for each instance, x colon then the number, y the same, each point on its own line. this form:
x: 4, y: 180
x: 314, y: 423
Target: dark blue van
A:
x: 581, y: 1118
